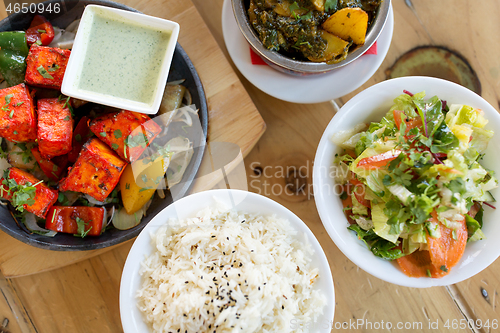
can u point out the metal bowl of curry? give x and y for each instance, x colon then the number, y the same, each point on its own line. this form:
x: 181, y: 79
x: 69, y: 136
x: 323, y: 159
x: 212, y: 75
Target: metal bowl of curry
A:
x: 305, y: 37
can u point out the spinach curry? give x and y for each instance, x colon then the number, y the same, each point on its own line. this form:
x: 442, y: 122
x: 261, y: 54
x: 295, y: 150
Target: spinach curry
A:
x: 295, y: 27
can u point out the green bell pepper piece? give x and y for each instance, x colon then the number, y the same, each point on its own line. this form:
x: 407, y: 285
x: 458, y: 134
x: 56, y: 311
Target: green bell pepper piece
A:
x: 13, y: 53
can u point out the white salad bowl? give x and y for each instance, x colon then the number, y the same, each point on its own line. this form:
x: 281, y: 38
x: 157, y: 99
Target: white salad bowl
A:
x: 131, y: 317
x: 371, y: 105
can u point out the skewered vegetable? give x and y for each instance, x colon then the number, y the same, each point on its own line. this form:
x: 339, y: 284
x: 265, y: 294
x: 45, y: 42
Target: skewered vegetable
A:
x: 13, y: 52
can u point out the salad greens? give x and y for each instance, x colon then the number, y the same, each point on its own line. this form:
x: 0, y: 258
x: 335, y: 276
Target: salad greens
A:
x: 419, y: 170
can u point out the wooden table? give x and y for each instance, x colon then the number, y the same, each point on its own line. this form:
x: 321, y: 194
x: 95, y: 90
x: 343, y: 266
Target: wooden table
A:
x: 83, y: 297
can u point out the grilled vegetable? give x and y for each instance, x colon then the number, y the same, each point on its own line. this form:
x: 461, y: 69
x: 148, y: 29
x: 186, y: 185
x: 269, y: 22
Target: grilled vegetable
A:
x: 13, y: 52
x: 27, y: 192
x: 96, y: 171
x: 46, y: 66
x: 40, y: 31
x: 139, y: 182
x: 17, y: 114
x: 55, y: 127
x: 80, y: 135
x: 20, y: 155
x: 81, y: 221
x: 126, y: 132
x: 172, y: 98
x: 49, y: 168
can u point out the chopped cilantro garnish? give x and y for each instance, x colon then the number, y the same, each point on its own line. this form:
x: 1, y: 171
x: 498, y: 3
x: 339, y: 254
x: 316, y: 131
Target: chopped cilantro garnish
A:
x: 117, y: 133
x: 136, y: 140
x: 66, y: 118
x: 43, y: 72
x: 103, y: 134
x: 127, y: 186
x: 330, y: 5
x: 78, y: 138
x: 8, y: 98
x: 115, y: 146
x: 81, y: 227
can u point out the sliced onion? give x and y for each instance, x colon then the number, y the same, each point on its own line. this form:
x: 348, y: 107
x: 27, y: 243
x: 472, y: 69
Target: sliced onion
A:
x: 93, y: 201
x: 188, y: 97
x: 57, y: 34
x: 73, y: 26
x: 124, y: 221
x: 146, y: 206
x: 160, y: 188
x: 30, y: 223
x: 174, y: 83
x: 104, y: 218
x: 110, y: 214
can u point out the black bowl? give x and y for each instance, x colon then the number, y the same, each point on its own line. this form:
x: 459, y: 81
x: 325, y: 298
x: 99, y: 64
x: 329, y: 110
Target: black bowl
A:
x: 181, y: 68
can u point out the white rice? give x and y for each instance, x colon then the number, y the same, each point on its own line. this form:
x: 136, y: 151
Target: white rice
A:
x: 227, y: 271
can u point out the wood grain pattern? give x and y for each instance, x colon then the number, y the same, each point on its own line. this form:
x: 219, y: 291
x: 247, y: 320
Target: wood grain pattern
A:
x: 228, y: 104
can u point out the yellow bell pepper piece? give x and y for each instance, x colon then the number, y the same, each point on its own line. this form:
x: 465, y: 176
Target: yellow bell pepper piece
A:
x: 139, y: 181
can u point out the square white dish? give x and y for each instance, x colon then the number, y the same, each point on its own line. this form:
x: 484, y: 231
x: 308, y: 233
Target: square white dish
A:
x: 111, y: 70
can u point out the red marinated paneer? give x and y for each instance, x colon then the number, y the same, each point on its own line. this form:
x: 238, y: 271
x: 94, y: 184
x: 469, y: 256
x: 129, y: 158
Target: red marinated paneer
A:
x: 19, y: 182
x: 17, y: 114
x: 55, y: 127
x: 126, y: 132
x: 80, y: 221
x: 96, y: 171
x: 46, y: 66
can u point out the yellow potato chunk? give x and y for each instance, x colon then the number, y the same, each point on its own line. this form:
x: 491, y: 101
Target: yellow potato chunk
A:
x: 348, y: 24
x: 335, y: 47
x: 319, y: 5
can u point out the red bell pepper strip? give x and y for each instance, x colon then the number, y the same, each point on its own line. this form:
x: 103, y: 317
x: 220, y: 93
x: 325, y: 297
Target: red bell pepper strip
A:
x: 40, y: 30
x: 399, y: 117
x: 67, y: 220
x: 81, y: 134
x: 50, y: 168
x: 378, y: 161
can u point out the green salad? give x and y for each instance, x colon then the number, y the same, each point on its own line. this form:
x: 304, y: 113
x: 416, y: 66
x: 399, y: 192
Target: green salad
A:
x: 413, y: 186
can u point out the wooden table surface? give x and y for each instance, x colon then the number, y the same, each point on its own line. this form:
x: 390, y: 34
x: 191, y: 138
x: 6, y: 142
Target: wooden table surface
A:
x: 83, y: 297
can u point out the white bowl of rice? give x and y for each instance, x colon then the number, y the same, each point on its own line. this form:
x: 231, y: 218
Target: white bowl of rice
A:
x: 226, y: 261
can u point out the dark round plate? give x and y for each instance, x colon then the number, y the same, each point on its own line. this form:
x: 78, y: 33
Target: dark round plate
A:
x: 181, y: 68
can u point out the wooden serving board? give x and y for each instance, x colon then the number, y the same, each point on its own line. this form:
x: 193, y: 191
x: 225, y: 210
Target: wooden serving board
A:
x: 232, y: 118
